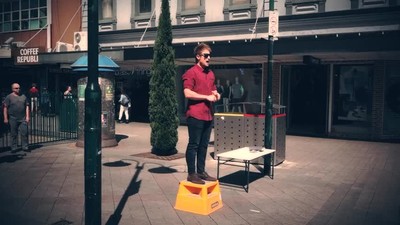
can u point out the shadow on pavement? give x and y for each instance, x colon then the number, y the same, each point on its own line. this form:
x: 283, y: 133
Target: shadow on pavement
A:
x: 12, y: 158
x: 4, y: 149
x: 132, y: 189
x: 118, y: 163
x: 162, y: 169
x: 238, y: 179
x: 119, y: 137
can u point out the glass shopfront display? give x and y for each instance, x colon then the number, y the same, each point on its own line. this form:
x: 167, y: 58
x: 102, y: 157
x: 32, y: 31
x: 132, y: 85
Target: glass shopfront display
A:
x: 240, y: 86
x: 391, y: 118
x: 352, y: 98
x: 305, y: 93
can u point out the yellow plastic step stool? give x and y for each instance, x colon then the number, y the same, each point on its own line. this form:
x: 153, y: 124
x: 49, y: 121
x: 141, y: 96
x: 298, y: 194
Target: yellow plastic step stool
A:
x: 198, y: 198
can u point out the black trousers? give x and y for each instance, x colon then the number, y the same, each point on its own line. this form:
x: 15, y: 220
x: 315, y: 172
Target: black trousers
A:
x: 196, y: 151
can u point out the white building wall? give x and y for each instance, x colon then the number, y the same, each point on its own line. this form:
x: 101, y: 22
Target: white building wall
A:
x: 173, y: 7
x: 213, y: 10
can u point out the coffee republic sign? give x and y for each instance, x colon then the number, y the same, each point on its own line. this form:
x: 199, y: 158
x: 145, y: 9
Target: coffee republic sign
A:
x: 26, y: 56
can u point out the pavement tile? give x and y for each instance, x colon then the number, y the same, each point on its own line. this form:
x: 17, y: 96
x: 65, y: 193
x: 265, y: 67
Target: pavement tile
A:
x: 321, y: 182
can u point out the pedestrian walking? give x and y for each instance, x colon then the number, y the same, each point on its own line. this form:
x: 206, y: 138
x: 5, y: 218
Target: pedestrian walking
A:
x: 125, y: 104
x: 34, y: 94
x: 16, y: 114
x: 68, y: 91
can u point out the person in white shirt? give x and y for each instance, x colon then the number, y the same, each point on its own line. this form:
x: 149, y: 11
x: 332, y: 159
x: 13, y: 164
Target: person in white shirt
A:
x: 125, y: 104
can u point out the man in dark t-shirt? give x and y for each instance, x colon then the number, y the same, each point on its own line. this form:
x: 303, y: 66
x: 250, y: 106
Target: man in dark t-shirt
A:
x: 16, y: 113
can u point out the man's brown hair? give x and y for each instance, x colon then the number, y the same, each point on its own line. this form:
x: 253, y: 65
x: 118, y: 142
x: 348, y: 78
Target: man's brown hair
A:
x: 199, y: 48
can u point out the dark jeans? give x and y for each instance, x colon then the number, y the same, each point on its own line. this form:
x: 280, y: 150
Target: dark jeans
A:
x: 22, y: 127
x: 199, y: 136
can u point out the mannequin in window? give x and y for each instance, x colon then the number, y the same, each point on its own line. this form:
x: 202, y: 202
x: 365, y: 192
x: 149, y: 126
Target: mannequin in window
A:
x: 226, y: 95
x: 237, y: 95
x: 219, y: 104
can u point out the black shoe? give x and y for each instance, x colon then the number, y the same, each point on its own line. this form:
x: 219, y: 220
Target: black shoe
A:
x: 126, y: 122
x: 206, y: 177
x: 194, y: 178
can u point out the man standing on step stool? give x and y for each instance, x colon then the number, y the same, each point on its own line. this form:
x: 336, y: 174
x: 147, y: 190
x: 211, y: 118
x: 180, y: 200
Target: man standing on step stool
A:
x: 200, y: 90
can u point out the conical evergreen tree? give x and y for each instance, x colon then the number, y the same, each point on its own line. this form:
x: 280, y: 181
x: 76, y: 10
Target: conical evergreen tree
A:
x: 163, y: 105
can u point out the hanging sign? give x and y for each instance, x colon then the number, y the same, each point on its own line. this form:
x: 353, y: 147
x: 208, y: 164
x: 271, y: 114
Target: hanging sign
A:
x: 273, y: 23
x: 26, y: 56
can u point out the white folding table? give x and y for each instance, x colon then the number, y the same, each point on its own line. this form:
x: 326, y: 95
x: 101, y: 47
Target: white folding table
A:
x: 246, y: 155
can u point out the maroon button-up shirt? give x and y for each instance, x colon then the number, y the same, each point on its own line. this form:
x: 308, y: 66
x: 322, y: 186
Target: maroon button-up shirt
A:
x: 201, y: 82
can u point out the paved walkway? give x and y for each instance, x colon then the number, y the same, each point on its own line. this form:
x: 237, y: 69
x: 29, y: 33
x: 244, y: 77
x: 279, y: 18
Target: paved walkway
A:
x: 322, y: 181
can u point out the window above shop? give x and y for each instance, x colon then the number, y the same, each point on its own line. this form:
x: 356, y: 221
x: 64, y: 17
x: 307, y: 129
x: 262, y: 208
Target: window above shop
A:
x: 19, y: 15
x: 240, y: 9
x: 359, y: 4
x: 107, y: 15
x: 142, y: 13
x: 304, y: 6
x: 190, y: 11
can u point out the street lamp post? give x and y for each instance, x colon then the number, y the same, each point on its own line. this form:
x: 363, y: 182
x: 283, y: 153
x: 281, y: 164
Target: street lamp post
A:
x: 268, y: 117
x: 92, y: 123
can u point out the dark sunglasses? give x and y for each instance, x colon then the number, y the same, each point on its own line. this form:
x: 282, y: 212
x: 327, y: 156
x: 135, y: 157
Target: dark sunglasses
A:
x: 207, y: 55
x: 16, y: 88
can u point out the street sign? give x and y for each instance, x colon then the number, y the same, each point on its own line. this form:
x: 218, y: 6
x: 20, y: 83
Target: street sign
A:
x: 273, y: 23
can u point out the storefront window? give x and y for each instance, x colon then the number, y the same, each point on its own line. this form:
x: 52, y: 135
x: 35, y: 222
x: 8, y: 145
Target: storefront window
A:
x: 240, y: 88
x: 352, y: 98
x: 304, y: 93
x: 391, y: 117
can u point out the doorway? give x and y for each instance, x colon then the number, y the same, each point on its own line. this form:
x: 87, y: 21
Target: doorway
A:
x: 305, y: 93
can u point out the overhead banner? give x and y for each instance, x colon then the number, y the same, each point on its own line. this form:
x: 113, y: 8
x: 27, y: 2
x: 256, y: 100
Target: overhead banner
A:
x: 26, y: 55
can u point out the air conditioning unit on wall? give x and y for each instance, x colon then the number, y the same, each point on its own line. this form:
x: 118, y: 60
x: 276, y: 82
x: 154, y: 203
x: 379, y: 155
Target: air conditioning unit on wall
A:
x: 80, y: 41
x: 64, y: 47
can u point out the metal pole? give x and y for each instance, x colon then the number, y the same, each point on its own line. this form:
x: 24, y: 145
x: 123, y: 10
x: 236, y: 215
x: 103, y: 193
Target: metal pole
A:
x: 92, y: 136
x: 268, y: 116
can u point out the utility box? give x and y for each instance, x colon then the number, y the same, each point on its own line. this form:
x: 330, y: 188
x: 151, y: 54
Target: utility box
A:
x: 68, y: 114
x: 106, y: 82
x: 235, y: 130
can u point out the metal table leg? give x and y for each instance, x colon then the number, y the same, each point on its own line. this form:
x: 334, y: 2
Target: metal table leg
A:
x: 247, y: 171
x: 272, y: 165
x: 218, y: 170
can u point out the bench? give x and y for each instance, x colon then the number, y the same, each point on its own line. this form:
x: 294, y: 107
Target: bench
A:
x: 246, y: 155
